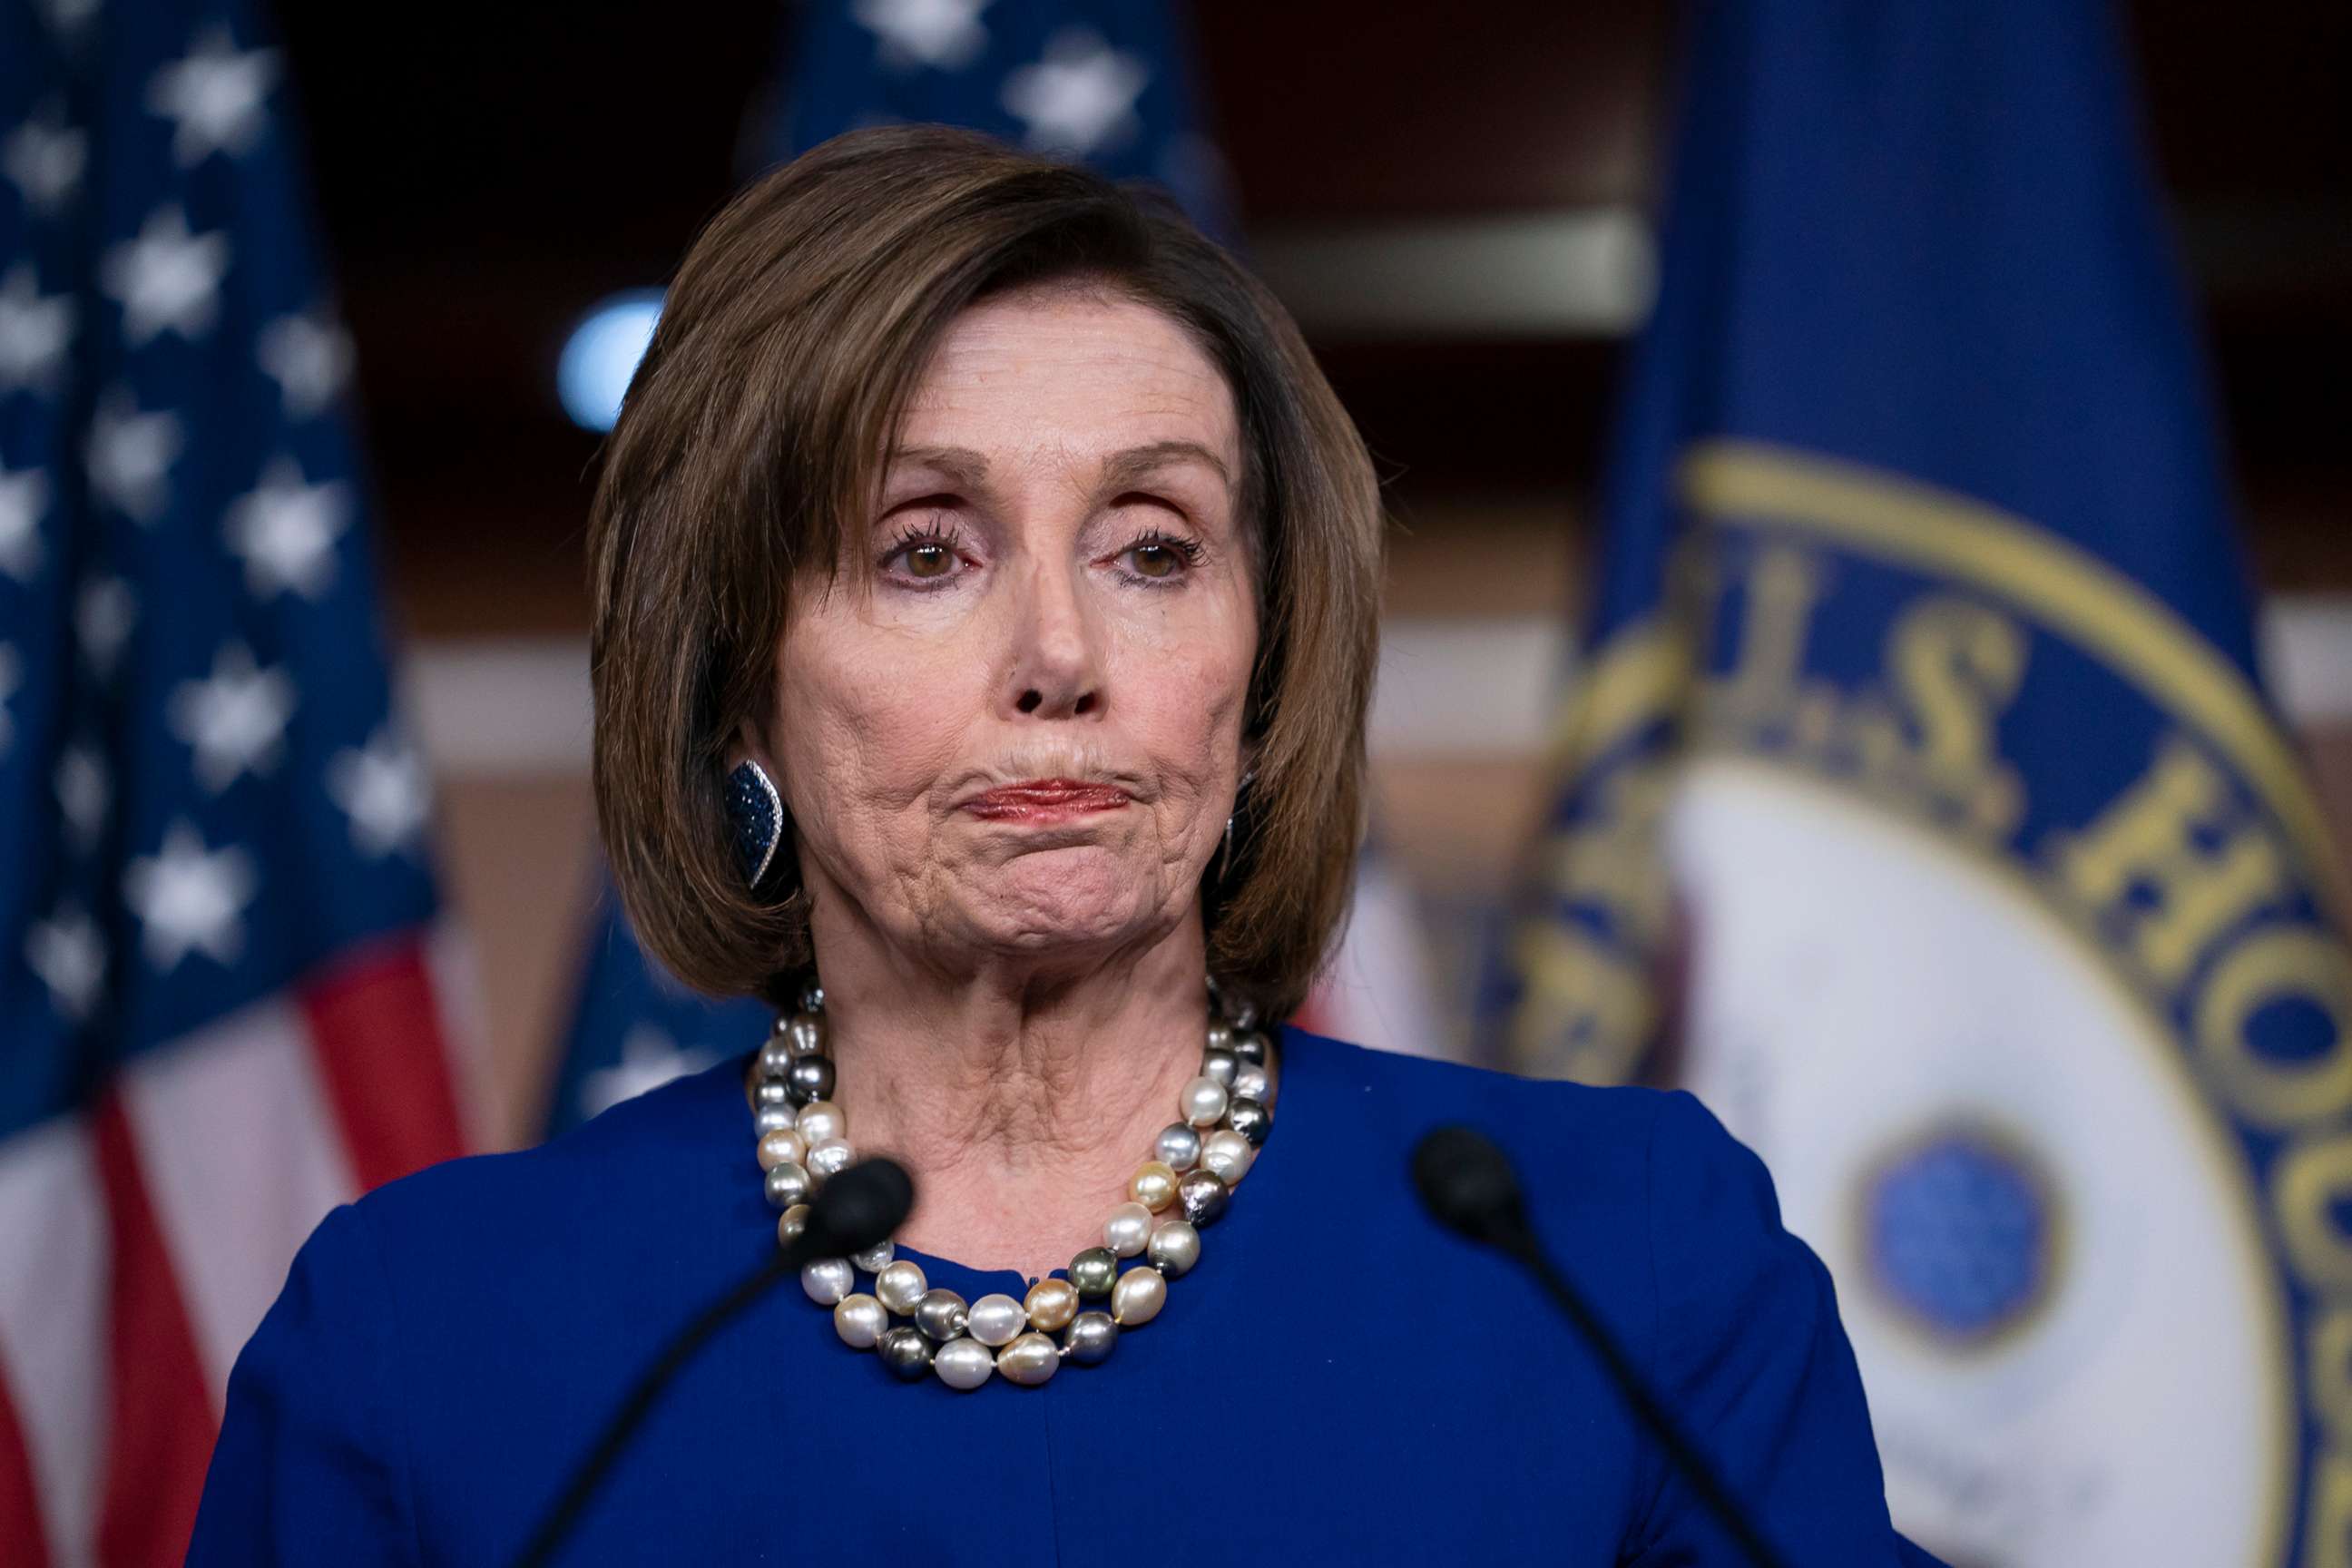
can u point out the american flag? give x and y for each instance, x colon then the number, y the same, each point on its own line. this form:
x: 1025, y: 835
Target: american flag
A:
x: 218, y: 946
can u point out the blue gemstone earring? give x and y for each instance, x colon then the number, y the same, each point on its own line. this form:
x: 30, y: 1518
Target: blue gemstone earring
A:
x: 757, y: 816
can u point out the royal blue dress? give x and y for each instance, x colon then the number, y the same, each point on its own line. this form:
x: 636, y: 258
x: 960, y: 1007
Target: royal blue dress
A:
x: 1338, y: 1380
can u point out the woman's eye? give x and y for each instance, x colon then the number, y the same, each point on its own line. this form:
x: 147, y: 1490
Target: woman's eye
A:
x: 929, y: 561
x: 1154, y: 560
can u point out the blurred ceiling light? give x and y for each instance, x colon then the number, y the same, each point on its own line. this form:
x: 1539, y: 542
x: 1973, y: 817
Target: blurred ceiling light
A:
x: 603, y: 354
x: 1579, y: 272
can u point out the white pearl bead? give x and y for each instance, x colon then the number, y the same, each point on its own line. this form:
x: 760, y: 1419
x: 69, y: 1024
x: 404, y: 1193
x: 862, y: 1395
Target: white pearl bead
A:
x: 830, y: 1158
x: 782, y: 1147
x: 1137, y: 1297
x: 828, y: 1280
x: 859, y: 1320
x: 1202, y: 1102
x: 996, y: 1320
x: 1128, y: 1229
x: 901, y: 1285
x: 1029, y: 1360
x: 876, y: 1257
x: 1227, y: 1154
x: 963, y: 1363
x: 822, y: 1119
x: 1175, y: 1247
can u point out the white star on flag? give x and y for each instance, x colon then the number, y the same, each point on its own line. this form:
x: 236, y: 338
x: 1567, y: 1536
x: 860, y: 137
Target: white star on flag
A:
x: 943, y: 33
x: 24, y: 497
x: 1080, y: 99
x: 130, y: 455
x: 649, y: 1059
x: 310, y: 358
x: 285, y: 531
x: 10, y: 679
x: 69, y: 955
x: 235, y: 720
x: 44, y: 159
x: 214, y: 97
x: 382, y: 788
x: 168, y: 279
x: 34, y: 330
x: 189, y: 899
x: 103, y: 618
x: 82, y: 793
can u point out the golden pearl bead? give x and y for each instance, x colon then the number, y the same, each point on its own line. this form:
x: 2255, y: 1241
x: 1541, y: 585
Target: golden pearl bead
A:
x: 1137, y: 1297
x: 1052, y: 1303
x: 1154, y: 1185
x: 781, y: 1147
x: 1029, y: 1360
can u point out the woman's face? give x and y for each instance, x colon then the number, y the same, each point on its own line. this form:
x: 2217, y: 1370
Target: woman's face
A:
x: 1014, y: 723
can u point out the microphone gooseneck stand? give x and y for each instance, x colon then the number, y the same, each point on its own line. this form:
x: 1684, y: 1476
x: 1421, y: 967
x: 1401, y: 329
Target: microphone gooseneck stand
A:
x: 854, y: 1210
x: 1467, y: 1184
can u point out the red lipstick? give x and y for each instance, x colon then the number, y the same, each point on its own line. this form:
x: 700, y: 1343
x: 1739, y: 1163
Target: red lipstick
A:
x: 1044, y: 800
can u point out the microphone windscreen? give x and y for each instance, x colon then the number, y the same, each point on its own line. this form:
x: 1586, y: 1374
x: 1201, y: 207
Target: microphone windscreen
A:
x: 1468, y: 1183
x: 859, y: 1206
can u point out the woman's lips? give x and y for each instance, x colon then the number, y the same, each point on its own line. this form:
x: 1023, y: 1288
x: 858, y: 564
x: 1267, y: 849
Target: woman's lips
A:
x: 1045, y: 800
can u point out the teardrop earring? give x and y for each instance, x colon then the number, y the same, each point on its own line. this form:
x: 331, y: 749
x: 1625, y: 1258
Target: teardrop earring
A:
x: 757, y: 815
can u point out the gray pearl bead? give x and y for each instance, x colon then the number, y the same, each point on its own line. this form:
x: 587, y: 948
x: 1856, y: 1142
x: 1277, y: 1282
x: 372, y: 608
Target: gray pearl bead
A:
x: 811, y: 1078
x: 773, y: 1118
x: 905, y: 1353
x: 877, y: 1257
x: 1220, y: 1035
x: 804, y: 1033
x: 1178, y: 1147
x: 828, y: 1280
x: 1089, y: 1338
x: 788, y: 1183
x: 812, y: 995
x: 1251, y: 1082
x: 1203, y: 1195
x: 1251, y: 1118
x: 1174, y: 1247
x: 941, y: 1314
x: 1095, y: 1271
x: 775, y: 1058
x: 1221, y: 1066
x: 771, y: 1092
x: 1250, y: 1045
x: 1241, y: 1012
x: 964, y: 1363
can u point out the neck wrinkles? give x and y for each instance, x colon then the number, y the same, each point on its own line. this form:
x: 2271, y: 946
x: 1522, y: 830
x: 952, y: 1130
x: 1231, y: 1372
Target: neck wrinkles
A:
x: 1019, y: 1100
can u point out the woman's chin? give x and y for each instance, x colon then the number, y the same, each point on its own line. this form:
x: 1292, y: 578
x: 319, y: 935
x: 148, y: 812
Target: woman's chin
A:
x: 1080, y: 899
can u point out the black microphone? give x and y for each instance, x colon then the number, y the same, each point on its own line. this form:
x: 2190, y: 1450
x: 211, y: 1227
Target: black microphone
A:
x: 855, y: 1209
x: 1467, y: 1184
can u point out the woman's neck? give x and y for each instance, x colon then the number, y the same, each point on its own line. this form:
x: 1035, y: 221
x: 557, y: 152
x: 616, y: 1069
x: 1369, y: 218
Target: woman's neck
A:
x: 1019, y: 1100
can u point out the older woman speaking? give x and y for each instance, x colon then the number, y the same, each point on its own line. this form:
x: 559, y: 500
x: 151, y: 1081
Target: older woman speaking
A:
x: 986, y: 584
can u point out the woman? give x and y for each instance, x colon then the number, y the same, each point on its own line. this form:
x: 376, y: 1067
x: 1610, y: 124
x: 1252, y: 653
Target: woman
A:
x: 985, y: 583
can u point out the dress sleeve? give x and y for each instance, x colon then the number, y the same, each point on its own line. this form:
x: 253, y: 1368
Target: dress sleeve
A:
x: 1750, y: 1355
x: 310, y: 1467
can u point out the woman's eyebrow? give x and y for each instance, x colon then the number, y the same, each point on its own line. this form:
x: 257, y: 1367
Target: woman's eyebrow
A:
x: 959, y: 465
x: 1126, y: 468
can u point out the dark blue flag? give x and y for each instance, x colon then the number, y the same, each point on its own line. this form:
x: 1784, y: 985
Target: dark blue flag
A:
x: 1920, y: 806
x: 216, y: 1017
x: 1107, y: 82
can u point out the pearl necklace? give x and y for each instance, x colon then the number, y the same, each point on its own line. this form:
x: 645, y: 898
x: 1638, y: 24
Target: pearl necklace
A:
x: 1222, y: 1121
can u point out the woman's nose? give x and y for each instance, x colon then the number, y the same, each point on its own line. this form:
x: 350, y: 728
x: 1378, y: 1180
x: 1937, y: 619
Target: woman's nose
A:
x: 1056, y: 666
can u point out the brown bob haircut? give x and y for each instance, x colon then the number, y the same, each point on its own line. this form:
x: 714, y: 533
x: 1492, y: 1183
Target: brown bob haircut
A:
x: 754, y: 434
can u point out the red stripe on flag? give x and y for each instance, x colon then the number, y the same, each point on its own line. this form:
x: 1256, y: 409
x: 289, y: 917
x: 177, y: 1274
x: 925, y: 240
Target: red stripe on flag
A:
x: 160, y: 1421
x: 384, y: 1061
x: 20, y: 1504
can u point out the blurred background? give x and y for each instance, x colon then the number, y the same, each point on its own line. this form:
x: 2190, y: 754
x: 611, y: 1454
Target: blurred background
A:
x: 1457, y: 209
x: 1850, y: 465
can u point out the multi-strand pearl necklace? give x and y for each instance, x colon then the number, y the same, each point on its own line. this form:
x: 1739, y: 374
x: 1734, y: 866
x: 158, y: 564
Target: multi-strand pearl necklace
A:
x: 1223, y: 1118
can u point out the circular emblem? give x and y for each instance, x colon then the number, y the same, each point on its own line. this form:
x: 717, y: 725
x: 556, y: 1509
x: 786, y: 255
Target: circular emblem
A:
x: 1959, y: 1233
